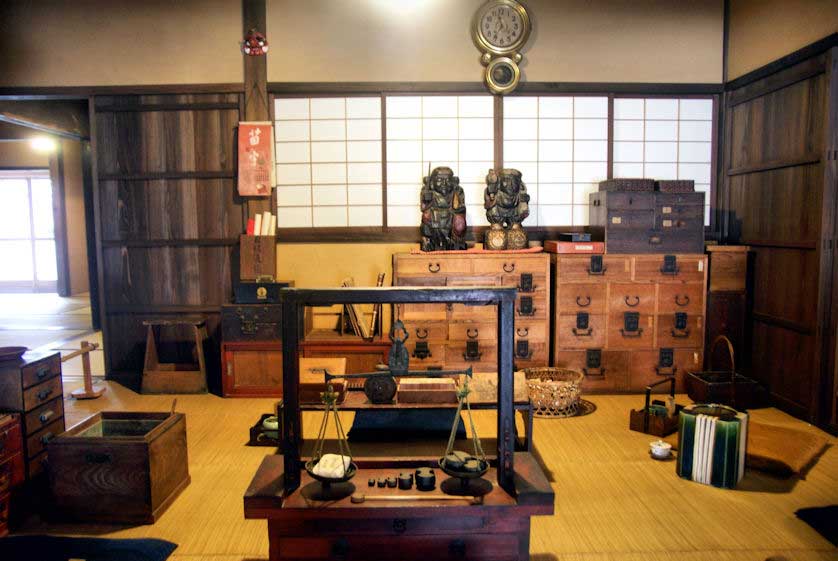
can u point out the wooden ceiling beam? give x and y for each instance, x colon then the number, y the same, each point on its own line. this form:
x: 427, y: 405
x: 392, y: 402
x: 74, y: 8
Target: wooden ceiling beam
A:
x: 67, y: 119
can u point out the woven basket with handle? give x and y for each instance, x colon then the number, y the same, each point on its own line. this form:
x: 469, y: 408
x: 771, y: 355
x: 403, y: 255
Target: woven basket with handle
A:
x: 554, y: 392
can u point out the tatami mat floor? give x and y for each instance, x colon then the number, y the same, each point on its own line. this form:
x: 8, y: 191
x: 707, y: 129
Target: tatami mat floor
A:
x: 612, y: 501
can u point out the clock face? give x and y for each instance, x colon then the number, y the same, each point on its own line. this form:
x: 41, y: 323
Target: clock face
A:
x: 502, y: 26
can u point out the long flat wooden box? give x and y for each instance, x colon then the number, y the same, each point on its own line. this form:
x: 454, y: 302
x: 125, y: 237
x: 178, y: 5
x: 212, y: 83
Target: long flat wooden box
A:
x: 119, y: 467
x: 257, y: 257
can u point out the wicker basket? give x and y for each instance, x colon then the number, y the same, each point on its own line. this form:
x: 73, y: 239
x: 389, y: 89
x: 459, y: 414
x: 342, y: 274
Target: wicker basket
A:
x: 554, y: 392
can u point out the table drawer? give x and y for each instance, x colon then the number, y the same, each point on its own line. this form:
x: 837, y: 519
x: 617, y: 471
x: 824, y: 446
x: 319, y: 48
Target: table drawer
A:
x: 485, y: 547
x: 42, y: 393
x: 10, y: 440
x: 380, y: 526
x: 36, y: 443
x: 11, y: 472
x: 40, y: 371
x: 45, y: 414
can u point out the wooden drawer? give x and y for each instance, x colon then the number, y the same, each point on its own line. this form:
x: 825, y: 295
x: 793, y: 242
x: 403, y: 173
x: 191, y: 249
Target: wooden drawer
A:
x: 10, y: 440
x: 631, y: 297
x: 675, y: 297
x: 690, y: 268
x: 510, y: 265
x: 43, y: 392
x: 488, y: 361
x: 37, y: 442
x: 538, y: 308
x: 469, y: 331
x: 352, y: 546
x: 539, y: 282
x: 42, y: 416
x: 611, y: 376
x: 581, y: 297
x: 11, y: 472
x: 691, y: 336
x: 43, y: 370
x: 578, y: 269
x: 421, y: 312
x: 4, y: 515
x: 37, y: 465
x: 386, y: 526
x: 635, y: 222
x: 570, y: 336
x: 537, y: 355
x: 251, y: 322
x: 252, y: 369
x: 468, y: 312
x: 646, y: 368
x: 535, y: 331
x: 433, y: 265
x: 620, y: 338
x: 436, y: 357
x: 426, y: 330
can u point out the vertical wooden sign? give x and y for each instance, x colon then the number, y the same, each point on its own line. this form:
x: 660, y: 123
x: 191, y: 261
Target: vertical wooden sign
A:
x: 256, y: 108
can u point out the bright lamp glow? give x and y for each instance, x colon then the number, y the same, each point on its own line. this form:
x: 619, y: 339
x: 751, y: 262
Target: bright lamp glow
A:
x: 43, y: 144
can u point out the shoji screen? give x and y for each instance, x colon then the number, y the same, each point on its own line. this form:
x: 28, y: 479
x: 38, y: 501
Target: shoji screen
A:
x: 423, y: 131
x: 328, y: 153
x: 560, y: 145
x: 665, y: 139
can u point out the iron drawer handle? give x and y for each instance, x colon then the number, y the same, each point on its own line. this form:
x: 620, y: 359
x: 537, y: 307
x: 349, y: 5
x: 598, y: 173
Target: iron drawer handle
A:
x: 42, y: 372
x: 523, y: 356
x: 526, y: 314
x: 457, y: 548
x: 636, y: 301
x: 434, y: 267
x: 470, y: 336
x: 421, y: 333
x: 580, y: 333
x: 586, y: 304
x: 597, y: 273
x: 43, y: 394
x: 678, y: 300
x: 599, y: 374
x: 683, y: 335
x: 672, y: 372
x: 47, y: 437
x: 508, y: 267
x: 340, y: 548
x: 45, y: 416
x: 522, y: 332
x: 673, y: 272
x: 632, y: 334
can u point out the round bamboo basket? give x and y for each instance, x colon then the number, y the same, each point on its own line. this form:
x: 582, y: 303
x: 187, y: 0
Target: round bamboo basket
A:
x: 554, y: 392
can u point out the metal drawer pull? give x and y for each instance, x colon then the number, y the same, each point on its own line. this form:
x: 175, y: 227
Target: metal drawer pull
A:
x: 600, y: 374
x: 457, y: 548
x: 526, y: 308
x: 45, y: 416
x: 670, y: 265
x: 632, y: 334
x: 421, y: 351
x: 43, y: 394
x: 434, y: 267
x: 681, y: 335
x: 522, y: 331
x: 678, y: 302
x: 472, y: 351
x: 508, y: 267
x: 523, y: 350
x: 660, y: 372
x: 421, y: 333
x: 47, y: 437
x: 469, y: 333
x: 586, y: 304
x: 42, y: 372
x: 596, y: 267
x: 636, y: 301
x: 526, y: 284
x: 340, y: 548
x: 580, y: 333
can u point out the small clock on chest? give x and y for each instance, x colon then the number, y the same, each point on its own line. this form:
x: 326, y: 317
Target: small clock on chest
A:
x: 500, y: 30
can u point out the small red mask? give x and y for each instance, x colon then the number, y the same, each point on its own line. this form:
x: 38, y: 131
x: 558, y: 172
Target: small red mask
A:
x: 255, y: 43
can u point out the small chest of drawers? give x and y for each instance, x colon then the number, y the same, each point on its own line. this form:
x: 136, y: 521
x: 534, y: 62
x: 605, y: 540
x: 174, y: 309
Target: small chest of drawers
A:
x: 31, y: 386
x: 11, y: 464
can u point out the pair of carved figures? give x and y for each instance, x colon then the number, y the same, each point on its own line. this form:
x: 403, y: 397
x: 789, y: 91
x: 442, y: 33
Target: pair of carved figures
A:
x: 444, y: 210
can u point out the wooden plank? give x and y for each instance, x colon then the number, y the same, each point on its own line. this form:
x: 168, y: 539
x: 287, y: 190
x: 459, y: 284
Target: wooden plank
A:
x: 776, y: 164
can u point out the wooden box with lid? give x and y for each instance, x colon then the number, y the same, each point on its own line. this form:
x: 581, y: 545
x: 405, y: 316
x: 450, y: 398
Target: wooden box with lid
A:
x: 459, y: 335
x: 32, y: 387
x: 628, y: 320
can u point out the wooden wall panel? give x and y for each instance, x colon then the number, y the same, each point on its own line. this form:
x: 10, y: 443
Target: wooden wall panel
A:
x: 786, y: 285
x: 782, y: 360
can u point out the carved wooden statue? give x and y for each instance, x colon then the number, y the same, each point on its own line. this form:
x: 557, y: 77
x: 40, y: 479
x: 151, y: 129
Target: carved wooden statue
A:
x: 443, y: 211
x: 507, y: 205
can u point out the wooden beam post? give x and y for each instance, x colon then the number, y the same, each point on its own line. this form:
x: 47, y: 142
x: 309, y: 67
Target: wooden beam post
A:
x: 256, y: 107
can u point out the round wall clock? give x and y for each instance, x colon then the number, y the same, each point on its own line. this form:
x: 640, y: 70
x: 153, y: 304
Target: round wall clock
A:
x: 500, y: 29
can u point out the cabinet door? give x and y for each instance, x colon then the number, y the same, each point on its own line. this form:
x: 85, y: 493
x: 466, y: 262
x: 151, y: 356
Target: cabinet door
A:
x: 252, y: 372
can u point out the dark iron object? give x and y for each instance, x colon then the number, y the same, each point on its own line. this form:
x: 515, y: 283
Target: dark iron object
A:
x: 472, y: 351
x: 443, y: 205
x: 596, y: 267
x: 421, y: 350
x: 526, y: 283
x: 258, y: 292
x: 425, y: 479
x: 522, y: 349
x: 405, y: 481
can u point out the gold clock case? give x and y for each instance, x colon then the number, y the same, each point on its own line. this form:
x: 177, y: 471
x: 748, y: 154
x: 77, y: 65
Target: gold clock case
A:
x: 484, y: 44
x: 501, y: 89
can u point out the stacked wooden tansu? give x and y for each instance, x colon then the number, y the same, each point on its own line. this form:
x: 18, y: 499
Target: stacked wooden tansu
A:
x: 457, y: 335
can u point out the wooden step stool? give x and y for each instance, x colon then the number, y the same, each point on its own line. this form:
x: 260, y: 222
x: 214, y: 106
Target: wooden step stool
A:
x: 174, y: 377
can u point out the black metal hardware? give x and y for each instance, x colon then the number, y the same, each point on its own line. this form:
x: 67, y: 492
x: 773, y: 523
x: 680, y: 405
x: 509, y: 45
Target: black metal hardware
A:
x: 42, y: 372
x: 45, y: 416
x: 421, y: 333
x: 400, y: 524
x: 670, y: 265
x: 509, y: 267
x: 680, y: 334
x: 526, y: 283
x: 629, y: 304
x: 593, y: 361
x: 678, y: 301
x: 586, y: 304
x: 526, y: 308
x: 582, y: 328
x: 434, y: 267
x: 680, y: 320
x: 43, y: 394
x: 340, y: 548
x: 596, y: 267
x: 522, y: 349
x: 97, y: 458
x: 421, y: 350
x: 472, y: 351
x: 457, y: 548
x: 666, y: 359
x: 47, y: 437
x: 522, y: 332
x: 469, y: 333
x: 631, y: 325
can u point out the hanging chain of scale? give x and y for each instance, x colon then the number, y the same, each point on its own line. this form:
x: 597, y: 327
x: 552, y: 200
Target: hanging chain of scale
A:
x: 460, y: 464
x: 330, y: 399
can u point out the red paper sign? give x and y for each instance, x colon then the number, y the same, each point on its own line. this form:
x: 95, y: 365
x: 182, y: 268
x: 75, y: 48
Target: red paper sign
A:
x: 256, y: 159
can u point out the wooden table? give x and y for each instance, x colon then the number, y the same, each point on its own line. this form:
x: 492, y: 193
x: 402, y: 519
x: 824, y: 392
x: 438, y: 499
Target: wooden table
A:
x: 301, y: 527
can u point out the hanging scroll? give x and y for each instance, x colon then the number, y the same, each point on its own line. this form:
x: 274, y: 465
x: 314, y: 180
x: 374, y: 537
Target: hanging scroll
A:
x: 257, y: 173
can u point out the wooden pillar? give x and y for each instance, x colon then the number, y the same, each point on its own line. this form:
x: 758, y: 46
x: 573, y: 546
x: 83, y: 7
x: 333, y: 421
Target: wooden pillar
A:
x: 256, y: 108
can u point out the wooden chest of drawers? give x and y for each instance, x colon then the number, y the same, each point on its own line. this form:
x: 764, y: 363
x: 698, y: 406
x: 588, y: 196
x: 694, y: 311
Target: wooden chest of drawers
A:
x: 627, y: 320
x: 458, y: 336
x: 32, y: 387
x: 12, y: 470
